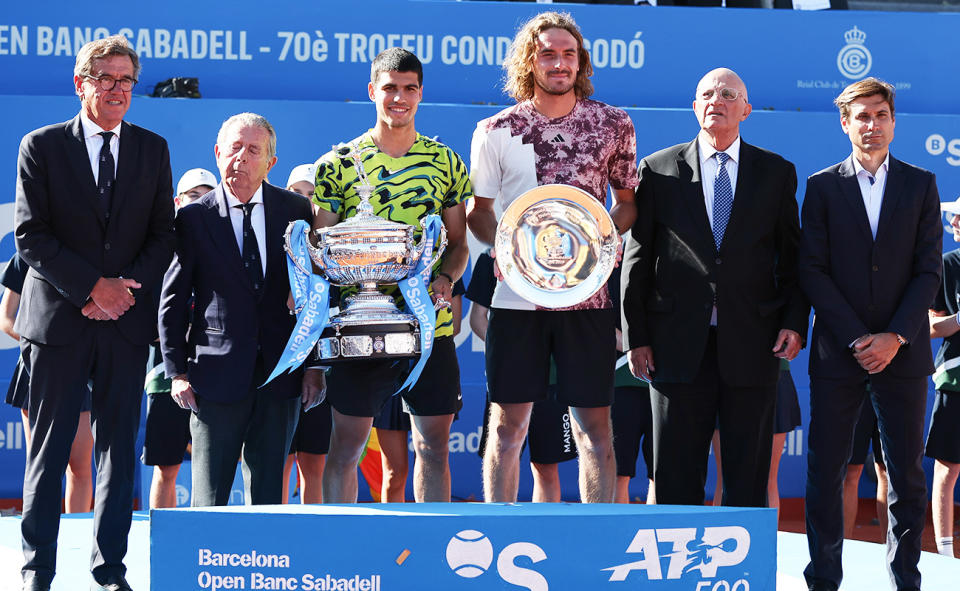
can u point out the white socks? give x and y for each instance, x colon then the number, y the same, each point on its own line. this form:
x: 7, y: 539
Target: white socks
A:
x: 945, y: 546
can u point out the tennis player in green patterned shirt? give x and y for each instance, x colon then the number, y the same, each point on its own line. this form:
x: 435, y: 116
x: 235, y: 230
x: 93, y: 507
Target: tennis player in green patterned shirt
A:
x: 414, y: 176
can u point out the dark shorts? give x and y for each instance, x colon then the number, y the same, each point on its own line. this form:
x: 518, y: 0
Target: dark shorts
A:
x: 360, y: 388
x: 520, y: 344
x: 865, y: 435
x: 632, y: 429
x: 550, y: 435
x: 392, y: 417
x: 313, y: 431
x: 786, y: 417
x: 943, y: 439
x: 167, y: 431
x: 18, y: 393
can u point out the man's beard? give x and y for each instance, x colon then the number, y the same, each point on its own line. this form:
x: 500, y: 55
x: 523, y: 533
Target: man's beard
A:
x: 551, y: 90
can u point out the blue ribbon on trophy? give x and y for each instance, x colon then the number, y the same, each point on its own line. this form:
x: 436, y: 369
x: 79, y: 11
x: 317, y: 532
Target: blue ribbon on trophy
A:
x: 417, y: 297
x: 311, y: 298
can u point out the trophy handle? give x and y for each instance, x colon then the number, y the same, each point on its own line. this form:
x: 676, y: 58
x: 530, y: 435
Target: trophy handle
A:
x: 441, y: 243
x: 288, y: 247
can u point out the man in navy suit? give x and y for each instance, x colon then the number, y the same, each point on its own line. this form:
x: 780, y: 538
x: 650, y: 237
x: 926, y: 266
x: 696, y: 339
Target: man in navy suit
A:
x: 870, y: 265
x: 94, y: 219
x: 230, y: 258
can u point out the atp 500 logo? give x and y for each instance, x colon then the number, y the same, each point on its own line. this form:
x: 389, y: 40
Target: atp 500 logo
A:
x: 470, y: 554
x: 716, y: 547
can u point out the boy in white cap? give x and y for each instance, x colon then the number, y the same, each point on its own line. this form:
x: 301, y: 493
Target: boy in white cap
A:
x: 168, y: 426
x: 194, y: 184
x: 943, y: 438
x: 301, y: 180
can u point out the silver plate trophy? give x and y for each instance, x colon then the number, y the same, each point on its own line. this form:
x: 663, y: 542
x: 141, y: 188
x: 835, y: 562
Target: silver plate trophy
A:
x: 367, y: 251
x: 556, y: 246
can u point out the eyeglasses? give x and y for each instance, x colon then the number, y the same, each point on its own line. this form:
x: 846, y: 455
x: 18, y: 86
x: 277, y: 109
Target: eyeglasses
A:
x: 726, y: 93
x: 108, y: 83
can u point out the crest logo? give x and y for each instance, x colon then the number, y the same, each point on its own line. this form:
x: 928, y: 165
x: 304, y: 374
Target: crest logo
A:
x: 854, y: 60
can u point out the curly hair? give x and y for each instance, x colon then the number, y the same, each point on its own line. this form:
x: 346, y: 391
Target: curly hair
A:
x: 518, y: 78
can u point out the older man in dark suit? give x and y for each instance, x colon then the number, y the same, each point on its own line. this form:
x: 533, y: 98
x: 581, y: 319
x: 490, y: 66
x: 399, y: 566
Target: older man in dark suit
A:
x: 870, y: 263
x: 94, y: 216
x: 710, y: 300
x: 230, y: 259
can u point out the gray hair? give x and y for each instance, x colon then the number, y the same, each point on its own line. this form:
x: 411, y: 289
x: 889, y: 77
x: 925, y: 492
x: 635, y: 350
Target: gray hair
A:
x: 250, y: 120
x: 104, y: 48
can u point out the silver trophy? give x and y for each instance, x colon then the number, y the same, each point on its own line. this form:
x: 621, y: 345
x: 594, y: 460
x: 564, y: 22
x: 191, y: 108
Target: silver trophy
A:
x: 367, y: 251
x: 556, y: 246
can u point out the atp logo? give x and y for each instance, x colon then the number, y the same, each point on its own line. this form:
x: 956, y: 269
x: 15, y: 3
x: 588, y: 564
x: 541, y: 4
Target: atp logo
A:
x: 470, y: 554
x: 717, y: 547
x: 854, y: 60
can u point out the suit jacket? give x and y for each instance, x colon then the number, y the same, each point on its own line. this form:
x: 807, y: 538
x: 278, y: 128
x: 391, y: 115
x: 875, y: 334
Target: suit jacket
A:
x: 63, y: 233
x: 229, y: 323
x: 859, y: 285
x: 673, y: 272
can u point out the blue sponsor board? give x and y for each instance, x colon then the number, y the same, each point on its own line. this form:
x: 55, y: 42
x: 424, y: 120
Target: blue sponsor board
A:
x: 642, y: 57
x: 464, y: 546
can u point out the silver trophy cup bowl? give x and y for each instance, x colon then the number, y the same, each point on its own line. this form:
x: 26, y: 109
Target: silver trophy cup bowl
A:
x: 367, y: 251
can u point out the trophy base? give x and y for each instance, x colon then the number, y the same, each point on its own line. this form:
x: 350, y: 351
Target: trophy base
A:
x: 339, y: 344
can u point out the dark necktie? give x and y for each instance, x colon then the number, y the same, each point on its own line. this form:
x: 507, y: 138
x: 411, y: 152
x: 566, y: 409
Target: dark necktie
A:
x: 105, y: 176
x: 251, y: 251
x: 722, y: 199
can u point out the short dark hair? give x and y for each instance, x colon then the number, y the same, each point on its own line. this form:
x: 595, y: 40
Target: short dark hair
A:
x: 862, y: 89
x: 396, y: 59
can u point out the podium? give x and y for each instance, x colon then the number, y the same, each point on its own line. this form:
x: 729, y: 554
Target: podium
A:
x: 468, y: 546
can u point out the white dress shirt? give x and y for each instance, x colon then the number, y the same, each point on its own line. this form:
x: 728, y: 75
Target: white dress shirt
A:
x: 871, y: 189
x: 709, y: 168
x: 94, y: 142
x: 257, y: 219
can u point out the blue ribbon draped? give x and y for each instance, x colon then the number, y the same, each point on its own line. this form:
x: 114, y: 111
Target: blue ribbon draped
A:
x: 417, y: 298
x: 311, y: 298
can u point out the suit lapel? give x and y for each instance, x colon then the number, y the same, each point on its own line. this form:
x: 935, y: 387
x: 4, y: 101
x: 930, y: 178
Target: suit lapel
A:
x: 221, y: 231
x: 274, y: 228
x: 892, y: 191
x: 688, y: 171
x: 79, y: 162
x: 744, y: 194
x: 850, y: 191
x: 126, y: 166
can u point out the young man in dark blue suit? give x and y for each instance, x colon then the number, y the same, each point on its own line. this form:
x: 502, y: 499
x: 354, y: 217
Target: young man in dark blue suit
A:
x: 870, y: 265
x: 230, y: 259
x: 94, y: 218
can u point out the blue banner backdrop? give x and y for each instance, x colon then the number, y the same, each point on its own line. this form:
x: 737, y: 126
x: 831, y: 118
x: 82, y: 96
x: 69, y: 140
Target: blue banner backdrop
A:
x: 642, y: 56
x: 306, y: 129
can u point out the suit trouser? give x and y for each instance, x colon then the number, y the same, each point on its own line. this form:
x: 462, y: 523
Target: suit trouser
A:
x: 684, y: 418
x: 835, y: 404
x: 57, y: 377
x: 257, y: 430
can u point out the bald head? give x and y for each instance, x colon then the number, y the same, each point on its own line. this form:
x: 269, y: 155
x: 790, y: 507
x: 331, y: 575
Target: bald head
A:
x: 720, y: 105
x: 722, y: 77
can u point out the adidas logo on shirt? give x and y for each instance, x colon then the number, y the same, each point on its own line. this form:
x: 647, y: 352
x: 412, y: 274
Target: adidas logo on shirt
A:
x: 558, y: 139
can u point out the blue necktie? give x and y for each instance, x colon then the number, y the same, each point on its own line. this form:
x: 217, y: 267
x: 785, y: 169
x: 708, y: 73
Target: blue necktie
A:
x: 722, y: 199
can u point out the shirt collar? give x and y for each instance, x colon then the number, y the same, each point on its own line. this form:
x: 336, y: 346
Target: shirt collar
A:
x: 234, y: 202
x: 91, y: 129
x: 706, y: 151
x: 857, y: 168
